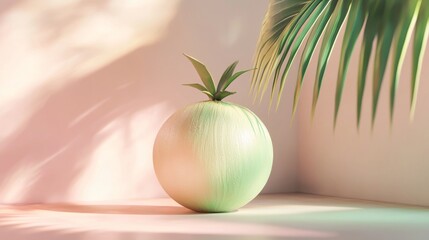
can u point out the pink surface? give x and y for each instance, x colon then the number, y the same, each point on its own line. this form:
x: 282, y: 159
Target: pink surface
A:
x: 293, y: 216
x: 155, y: 218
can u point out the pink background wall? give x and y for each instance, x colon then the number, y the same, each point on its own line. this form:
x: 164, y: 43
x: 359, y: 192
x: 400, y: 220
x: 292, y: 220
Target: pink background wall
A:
x: 85, y: 86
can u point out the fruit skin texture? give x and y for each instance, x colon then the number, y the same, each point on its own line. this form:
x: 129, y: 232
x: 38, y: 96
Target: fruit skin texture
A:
x: 213, y: 156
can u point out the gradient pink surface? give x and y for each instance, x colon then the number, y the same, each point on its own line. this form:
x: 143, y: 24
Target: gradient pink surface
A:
x: 290, y: 216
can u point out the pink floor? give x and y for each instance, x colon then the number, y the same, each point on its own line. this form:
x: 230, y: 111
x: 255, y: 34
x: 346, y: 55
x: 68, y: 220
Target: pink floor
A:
x: 288, y: 216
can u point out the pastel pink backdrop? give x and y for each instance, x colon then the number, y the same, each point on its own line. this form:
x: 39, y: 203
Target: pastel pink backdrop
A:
x: 85, y: 86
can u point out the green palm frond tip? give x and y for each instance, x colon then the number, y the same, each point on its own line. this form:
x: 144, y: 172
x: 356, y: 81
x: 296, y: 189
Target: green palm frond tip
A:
x: 219, y: 92
x: 390, y: 25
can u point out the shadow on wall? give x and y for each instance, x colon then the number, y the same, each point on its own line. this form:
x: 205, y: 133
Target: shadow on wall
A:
x: 84, y: 136
x: 81, y: 114
x: 48, y: 153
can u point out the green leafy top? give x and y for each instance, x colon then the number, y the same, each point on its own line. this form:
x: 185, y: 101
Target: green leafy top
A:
x: 214, y: 93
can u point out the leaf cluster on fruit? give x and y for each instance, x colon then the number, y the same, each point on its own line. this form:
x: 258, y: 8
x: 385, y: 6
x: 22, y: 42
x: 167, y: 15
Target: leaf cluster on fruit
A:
x: 214, y: 93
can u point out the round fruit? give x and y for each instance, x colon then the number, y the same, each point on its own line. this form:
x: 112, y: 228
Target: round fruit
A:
x: 213, y: 156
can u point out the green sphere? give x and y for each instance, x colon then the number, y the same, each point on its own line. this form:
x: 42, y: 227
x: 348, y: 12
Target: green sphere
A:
x: 213, y: 156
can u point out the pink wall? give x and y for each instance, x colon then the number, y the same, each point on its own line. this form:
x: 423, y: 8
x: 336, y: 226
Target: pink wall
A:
x: 386, y: 164
x: 86, y: 85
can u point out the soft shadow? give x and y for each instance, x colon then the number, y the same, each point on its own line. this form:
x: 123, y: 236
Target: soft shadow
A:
x: 110, y: 209
x: 57, y: 141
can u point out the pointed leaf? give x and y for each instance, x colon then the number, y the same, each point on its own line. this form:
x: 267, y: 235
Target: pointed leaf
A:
x: 286, y: 43
x: 278, y: 16
x: 384, y: 42
x: 226, y: 75
x: 204, y: 74
x: 354, y: 25
x: 233, y: 77
x: 365, y: 54
x: 388, y: 21
x: 308, y: 51
x: 209, y: 94
x: 223, y: 94
x: 408, y: 16
x: 277, y: 19
x: 267, y: 73
x: 197, y: 86
x: 420, y: 41
x: 311, y: 20
x: 331, y: 33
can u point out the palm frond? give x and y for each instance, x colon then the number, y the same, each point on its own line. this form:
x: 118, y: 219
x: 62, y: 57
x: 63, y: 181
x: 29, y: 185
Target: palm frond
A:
x: 332, y: 29
x: 276, y: 24
x: 388, y: 23
x: 420, y: 42
x: 354, y: 27
x: 308, y: 52
x: 401, y: 40
x: 385, y: 34
x: 365, y: 54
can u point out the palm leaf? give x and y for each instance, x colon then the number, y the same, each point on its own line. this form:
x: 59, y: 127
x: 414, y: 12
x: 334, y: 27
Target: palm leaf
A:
x: 292, y: 31
x: 310, y: 14
x: 354, y: 26
x: 331, y: 33
x: 309, y: 48
x: 401, y: 41
x: 385, y: 33
x: 276, y: 21
x: 389, y: 23
x: 272, y: 62
x: 420, y: 40
x: 365, y: 54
